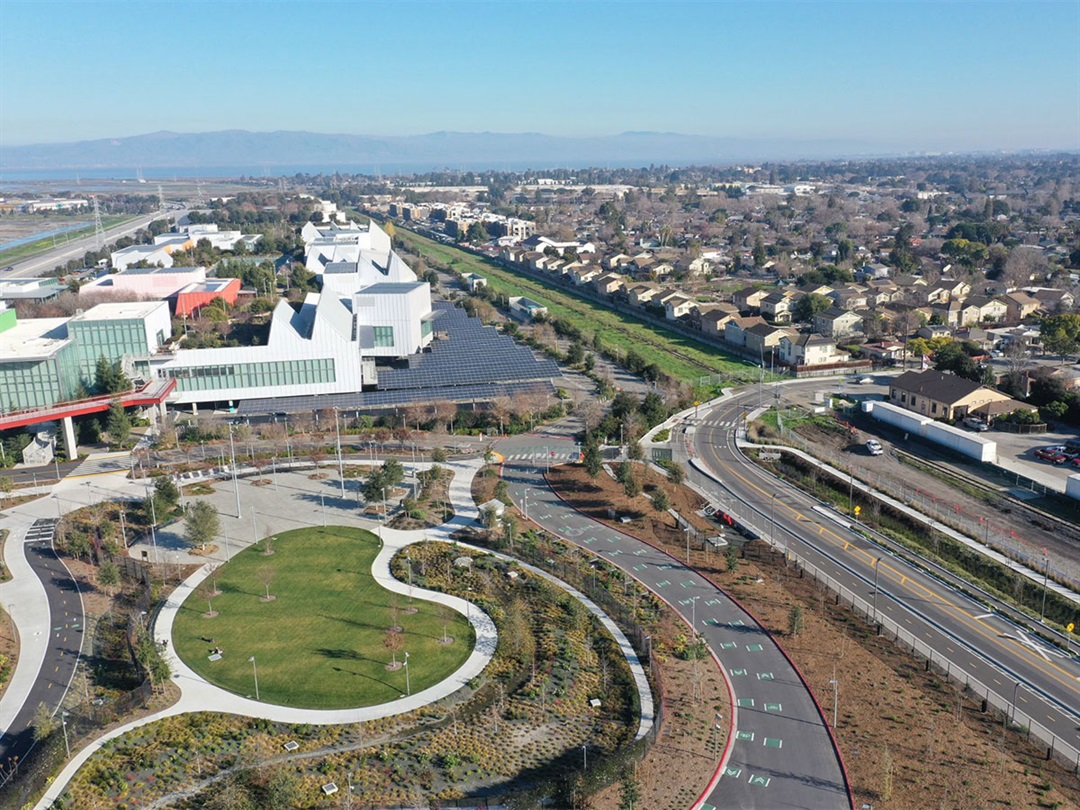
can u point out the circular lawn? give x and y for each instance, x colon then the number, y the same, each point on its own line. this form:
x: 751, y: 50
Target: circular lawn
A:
x: 320, y: 641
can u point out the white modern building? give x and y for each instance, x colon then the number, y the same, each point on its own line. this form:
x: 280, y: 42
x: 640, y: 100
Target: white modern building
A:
x: 370, y: 308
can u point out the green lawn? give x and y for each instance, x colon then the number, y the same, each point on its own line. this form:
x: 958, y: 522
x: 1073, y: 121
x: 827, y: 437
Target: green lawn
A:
x: 677, y: 355
x: 319, y: 644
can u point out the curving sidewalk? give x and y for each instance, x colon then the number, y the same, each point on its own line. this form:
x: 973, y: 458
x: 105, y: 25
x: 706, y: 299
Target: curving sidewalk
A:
x: 200, y: 695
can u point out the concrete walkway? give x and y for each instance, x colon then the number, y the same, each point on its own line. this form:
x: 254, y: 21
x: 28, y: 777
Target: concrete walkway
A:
x: 275, y: 508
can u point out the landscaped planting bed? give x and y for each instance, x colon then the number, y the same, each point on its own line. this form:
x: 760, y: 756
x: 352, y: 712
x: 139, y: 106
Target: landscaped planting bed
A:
x: 520, y: 725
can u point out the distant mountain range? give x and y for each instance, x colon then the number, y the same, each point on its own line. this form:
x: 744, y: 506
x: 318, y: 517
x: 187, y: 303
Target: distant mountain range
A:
x: 437, y: 150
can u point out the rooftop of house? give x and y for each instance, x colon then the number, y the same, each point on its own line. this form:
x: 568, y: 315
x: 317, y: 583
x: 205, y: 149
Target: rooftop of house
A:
x: 936, y: 385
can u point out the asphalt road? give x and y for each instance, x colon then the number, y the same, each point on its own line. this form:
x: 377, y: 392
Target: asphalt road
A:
x: 782, y: 755
x: 975, y: 639
x: 44, y: 262
x: 65, y: 645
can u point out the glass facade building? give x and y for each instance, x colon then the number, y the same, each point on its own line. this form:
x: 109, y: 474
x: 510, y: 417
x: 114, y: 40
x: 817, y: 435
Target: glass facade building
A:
x: 252, y: 375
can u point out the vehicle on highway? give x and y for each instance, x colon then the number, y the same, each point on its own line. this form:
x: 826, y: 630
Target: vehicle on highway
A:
x: 971, y: 423
x: 864, y: 380
x: 1052, y: 454
x: 874, y: 448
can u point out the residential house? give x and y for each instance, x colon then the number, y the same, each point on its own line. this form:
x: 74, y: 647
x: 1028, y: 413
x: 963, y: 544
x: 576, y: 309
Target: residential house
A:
x: 809, y: 350
x: 869, y: 272
x: 583, y: 275
x: 1052, y: 301
x: 641, y: 294
x: 677, y: 306
x: 748, y: 299
x: 883, y: 351
x: 608, y: 283
x: 699, y: 266
x: 735, y: 329
x: 942, y: 396
x: 882, y: 292
x: 715, y: 317
x: 1019, y: 305
x: 763, y: 338
x: 957, y: 289
x: 982, y: 309
x: 617, y: 261
x: 933, y: 330
x: 777, y: 306
x: 836, y: 322
x: 850, y: 298
x: 947, y: 313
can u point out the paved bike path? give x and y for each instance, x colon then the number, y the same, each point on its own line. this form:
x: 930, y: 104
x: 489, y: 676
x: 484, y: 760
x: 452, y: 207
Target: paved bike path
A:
x: 782, y: 754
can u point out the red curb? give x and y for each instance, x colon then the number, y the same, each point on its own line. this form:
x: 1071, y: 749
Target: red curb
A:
x: 813, y: 697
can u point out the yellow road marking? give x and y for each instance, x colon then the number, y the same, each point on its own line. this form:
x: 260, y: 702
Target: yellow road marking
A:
x: 1047, y: 668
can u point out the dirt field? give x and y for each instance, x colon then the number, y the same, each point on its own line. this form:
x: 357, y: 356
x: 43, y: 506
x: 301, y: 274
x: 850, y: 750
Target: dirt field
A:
x: 909, y: 741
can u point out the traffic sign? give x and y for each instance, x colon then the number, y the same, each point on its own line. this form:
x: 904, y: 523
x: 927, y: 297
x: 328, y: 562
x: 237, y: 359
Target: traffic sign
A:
x: 858, y: 509
x: 1070, y: 627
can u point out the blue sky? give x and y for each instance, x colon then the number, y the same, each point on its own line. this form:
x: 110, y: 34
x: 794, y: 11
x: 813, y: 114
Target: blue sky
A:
x: 902, y: 75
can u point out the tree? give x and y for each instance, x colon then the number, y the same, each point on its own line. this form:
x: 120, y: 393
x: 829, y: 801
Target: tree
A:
x: 594, y: 461
x: 166, y: 491
x: 575, y: 353
x: 266, y: 577
x: 477, y: 233
x: 201, y: 524
x: 631, y: 487
x: 438, y: 455
x: 760, y: 256
x: 446, y: 615
x: 809, y: 305
x: 393, y: 641
x: 108, y: 575
x: 1061, y: 334
x: 660, y: 501
x: 108, y: 379
x: 795, y: 620
x: 44, y: 723
x: 118, y: 425
x: 675, y: 472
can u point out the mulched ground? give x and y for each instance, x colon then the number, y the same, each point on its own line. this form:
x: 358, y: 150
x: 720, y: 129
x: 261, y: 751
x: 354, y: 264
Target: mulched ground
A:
x: 909, y: 741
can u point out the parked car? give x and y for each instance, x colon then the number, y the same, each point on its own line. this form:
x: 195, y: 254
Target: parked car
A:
x: 874, y: 448
x: 1076, y: 462
x: 971, y: 423
x: 864, y: 380
x: 1051, y: 454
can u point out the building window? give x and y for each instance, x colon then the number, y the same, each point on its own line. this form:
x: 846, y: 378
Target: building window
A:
x: 384, y: 337
x: 425, y: 328
x: 933, y: 408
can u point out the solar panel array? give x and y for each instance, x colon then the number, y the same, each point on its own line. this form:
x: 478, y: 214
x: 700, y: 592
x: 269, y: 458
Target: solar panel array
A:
x: 472, y: 353
x: 371, y: 400
x: 472, y: 363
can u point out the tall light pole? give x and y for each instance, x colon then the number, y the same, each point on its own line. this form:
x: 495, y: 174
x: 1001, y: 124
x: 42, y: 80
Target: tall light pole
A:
x: 693, y: 613
x: 876, y: 561
x: 255, y: 672
x: 1016, y: 688
x: 408, y: 685
x: 322, y: 500
x: 254, y: 528
x: 153, y: 521
x: 340, y: 467
x: 232, y: 466
x: 686, y: 531
x: 1046, y: 576
x: 772, y: 521
x: 835, y: 697
x: 63, y: 723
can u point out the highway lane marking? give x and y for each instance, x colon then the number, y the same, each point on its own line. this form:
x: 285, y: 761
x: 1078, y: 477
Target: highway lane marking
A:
x: 663, y: 584
x: 688, y: 584
x: 712, y: 601
x: 773, y: 742
x: 762, y: 781
x: 744, y: 736
x: 735, y: 672
x: 773, y: 707
x: 731, y: 645
x: 754, y: 648
x: 765, y: 676
x: 737, y: 623
x: 1053, y: 671
x: 639, y: 567
x: 983, y: 616
x: 734, y: 773
x: 745, y: 703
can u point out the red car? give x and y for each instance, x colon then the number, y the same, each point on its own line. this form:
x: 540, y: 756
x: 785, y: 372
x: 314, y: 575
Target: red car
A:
x: 1051, y: 454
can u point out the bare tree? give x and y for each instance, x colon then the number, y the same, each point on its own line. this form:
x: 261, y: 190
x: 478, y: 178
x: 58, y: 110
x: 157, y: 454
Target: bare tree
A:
x: 266, y: 577
x: 393, y: 641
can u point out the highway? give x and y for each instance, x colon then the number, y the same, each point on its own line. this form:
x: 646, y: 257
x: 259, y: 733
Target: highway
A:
x: 781, y: 754
x: 77, y: 248
x: 66, y: 621
x: 1035, y: 681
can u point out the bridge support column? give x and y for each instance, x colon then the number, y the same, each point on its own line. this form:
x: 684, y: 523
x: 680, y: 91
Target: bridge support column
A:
x: 161, y: 412
x: 67, y: 427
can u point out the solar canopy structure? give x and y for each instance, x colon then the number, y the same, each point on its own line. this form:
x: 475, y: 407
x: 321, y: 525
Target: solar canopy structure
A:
x: 470, y: 363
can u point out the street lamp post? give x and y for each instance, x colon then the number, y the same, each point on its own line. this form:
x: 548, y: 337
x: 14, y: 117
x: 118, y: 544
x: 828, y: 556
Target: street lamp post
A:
x: 686, y: 531
x: 835, y: 698
x: 693, y: 613
x: 340, y: 467
x: 232, y: 466
x: 1046, y: 576
x: 322, y: 501
x: 876, y: 561
x: 772, y: 521
x: 63, y: 723
x: 585, y: 757
x: 255, y: 672
x: 408, y: 685
x: 1016, y: 688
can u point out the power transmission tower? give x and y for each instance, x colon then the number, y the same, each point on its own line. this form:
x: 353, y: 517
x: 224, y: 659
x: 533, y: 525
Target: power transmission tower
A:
x: 99, y: 229
x: 200, y: 200
x: 160, y: 198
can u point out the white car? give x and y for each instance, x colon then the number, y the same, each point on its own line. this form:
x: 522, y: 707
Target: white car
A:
x: 874, y: 448
x: 971, y: 423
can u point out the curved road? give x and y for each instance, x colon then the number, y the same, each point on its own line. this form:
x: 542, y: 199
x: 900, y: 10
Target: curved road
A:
x: 782, y: 754
x: 1030, y: 677
x: 64, y: 646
